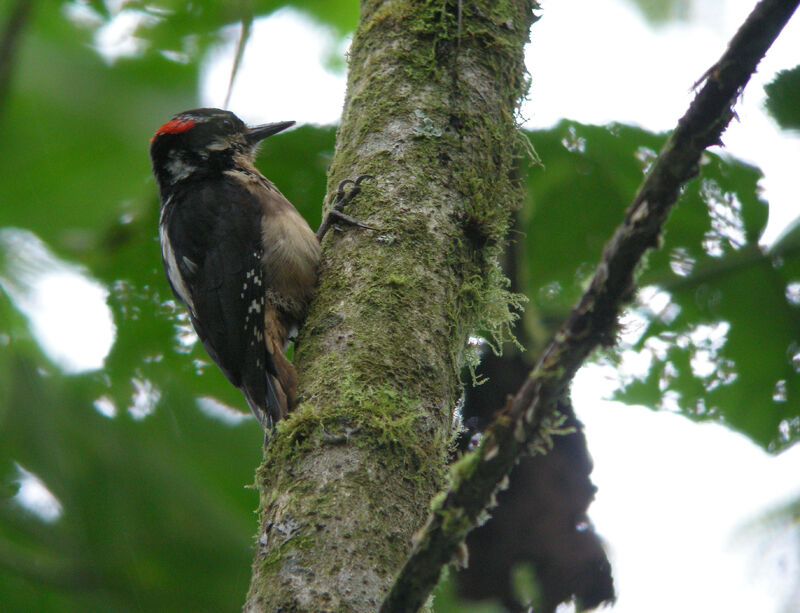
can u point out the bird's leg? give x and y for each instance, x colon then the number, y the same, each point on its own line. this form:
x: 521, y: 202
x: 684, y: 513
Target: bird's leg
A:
x: 342, y: 198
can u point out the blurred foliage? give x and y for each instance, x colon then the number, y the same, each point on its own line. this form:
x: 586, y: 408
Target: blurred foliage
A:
x: 775, y: 534
x: 155, y: 510
x: 718, y: 319
x: 445, y: 599
x: 660, y: 12
x: 782, y: 96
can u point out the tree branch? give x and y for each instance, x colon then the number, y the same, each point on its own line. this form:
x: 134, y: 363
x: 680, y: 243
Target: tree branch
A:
x: 433, y: 89
x: 9, y: 43
x: 529, y: 421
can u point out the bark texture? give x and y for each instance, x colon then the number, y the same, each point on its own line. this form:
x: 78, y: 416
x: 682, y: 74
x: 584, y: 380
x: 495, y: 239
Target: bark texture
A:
x: 347, y: 479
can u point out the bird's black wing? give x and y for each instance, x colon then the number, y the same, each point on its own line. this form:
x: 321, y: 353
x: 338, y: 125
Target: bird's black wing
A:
x: 218, y: 254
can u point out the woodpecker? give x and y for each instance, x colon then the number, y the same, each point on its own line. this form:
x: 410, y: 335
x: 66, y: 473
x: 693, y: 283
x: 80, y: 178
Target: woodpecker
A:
x: 236, y: 253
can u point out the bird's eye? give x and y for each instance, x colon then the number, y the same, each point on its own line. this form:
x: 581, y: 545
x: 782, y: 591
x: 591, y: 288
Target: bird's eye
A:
x: 227, y: 124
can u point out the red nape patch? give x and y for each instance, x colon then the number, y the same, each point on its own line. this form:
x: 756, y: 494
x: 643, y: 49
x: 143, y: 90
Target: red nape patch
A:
x: 176, y: 126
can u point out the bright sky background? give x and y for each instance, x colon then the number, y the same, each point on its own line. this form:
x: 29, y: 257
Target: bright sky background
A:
x: 674, y: 497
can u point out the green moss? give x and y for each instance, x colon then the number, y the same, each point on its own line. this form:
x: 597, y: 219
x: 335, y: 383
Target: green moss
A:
x: 485, y: 306
x: 397, y: 281
x: 276, y: 555
x: 455, y: 522
x: 437, y: 501
x: 480, y: 137
x: 366, y: 416
x: 464, y: 467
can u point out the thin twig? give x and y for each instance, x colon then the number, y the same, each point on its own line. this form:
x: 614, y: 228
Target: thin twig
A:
x: 528, y: 420
x: 9, y: 43
x: 244, y: 36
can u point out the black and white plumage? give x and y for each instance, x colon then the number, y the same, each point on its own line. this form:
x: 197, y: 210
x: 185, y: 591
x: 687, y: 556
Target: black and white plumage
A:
x: 236, y: 252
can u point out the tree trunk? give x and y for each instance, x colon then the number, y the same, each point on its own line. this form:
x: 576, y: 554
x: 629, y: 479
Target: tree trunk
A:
x: 433, y: 89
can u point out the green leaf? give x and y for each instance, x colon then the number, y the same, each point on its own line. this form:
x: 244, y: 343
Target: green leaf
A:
x: 715, y: 273
x: 723, y: 298
x: 732, y: 350
x: 783, y: 98
x: 574, y: 204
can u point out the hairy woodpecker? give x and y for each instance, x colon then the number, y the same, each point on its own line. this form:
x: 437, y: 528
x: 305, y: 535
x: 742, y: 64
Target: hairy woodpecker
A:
x: 236, y: 252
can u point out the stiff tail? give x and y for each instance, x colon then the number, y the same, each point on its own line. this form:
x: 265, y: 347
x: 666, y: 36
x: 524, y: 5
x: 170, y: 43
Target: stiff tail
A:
x: 271, y: 393
x: 284, y: 385
x: 267, y: 407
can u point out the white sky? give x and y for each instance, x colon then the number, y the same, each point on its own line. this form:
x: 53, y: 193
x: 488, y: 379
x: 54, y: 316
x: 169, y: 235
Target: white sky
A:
x: 673, y: 495
x: 674, y: 498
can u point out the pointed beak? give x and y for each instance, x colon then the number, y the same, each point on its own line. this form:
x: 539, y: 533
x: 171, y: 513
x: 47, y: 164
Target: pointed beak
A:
x: 256, y: 134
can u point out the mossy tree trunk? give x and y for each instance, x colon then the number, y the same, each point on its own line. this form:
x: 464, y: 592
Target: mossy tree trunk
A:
x: 432, y: 95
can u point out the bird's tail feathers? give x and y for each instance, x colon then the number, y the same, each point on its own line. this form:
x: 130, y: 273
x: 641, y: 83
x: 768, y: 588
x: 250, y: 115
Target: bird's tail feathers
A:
x: 275, y: 399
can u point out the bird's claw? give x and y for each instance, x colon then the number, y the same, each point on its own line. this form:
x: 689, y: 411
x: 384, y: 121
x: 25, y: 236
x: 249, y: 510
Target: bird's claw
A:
x: 343, y: 196
x: 348, y: 220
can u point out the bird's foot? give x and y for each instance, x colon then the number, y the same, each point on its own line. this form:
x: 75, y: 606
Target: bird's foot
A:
x: 343, y: 196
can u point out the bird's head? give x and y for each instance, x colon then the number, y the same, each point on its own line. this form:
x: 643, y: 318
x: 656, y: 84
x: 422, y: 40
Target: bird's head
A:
x: 205, y: 142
